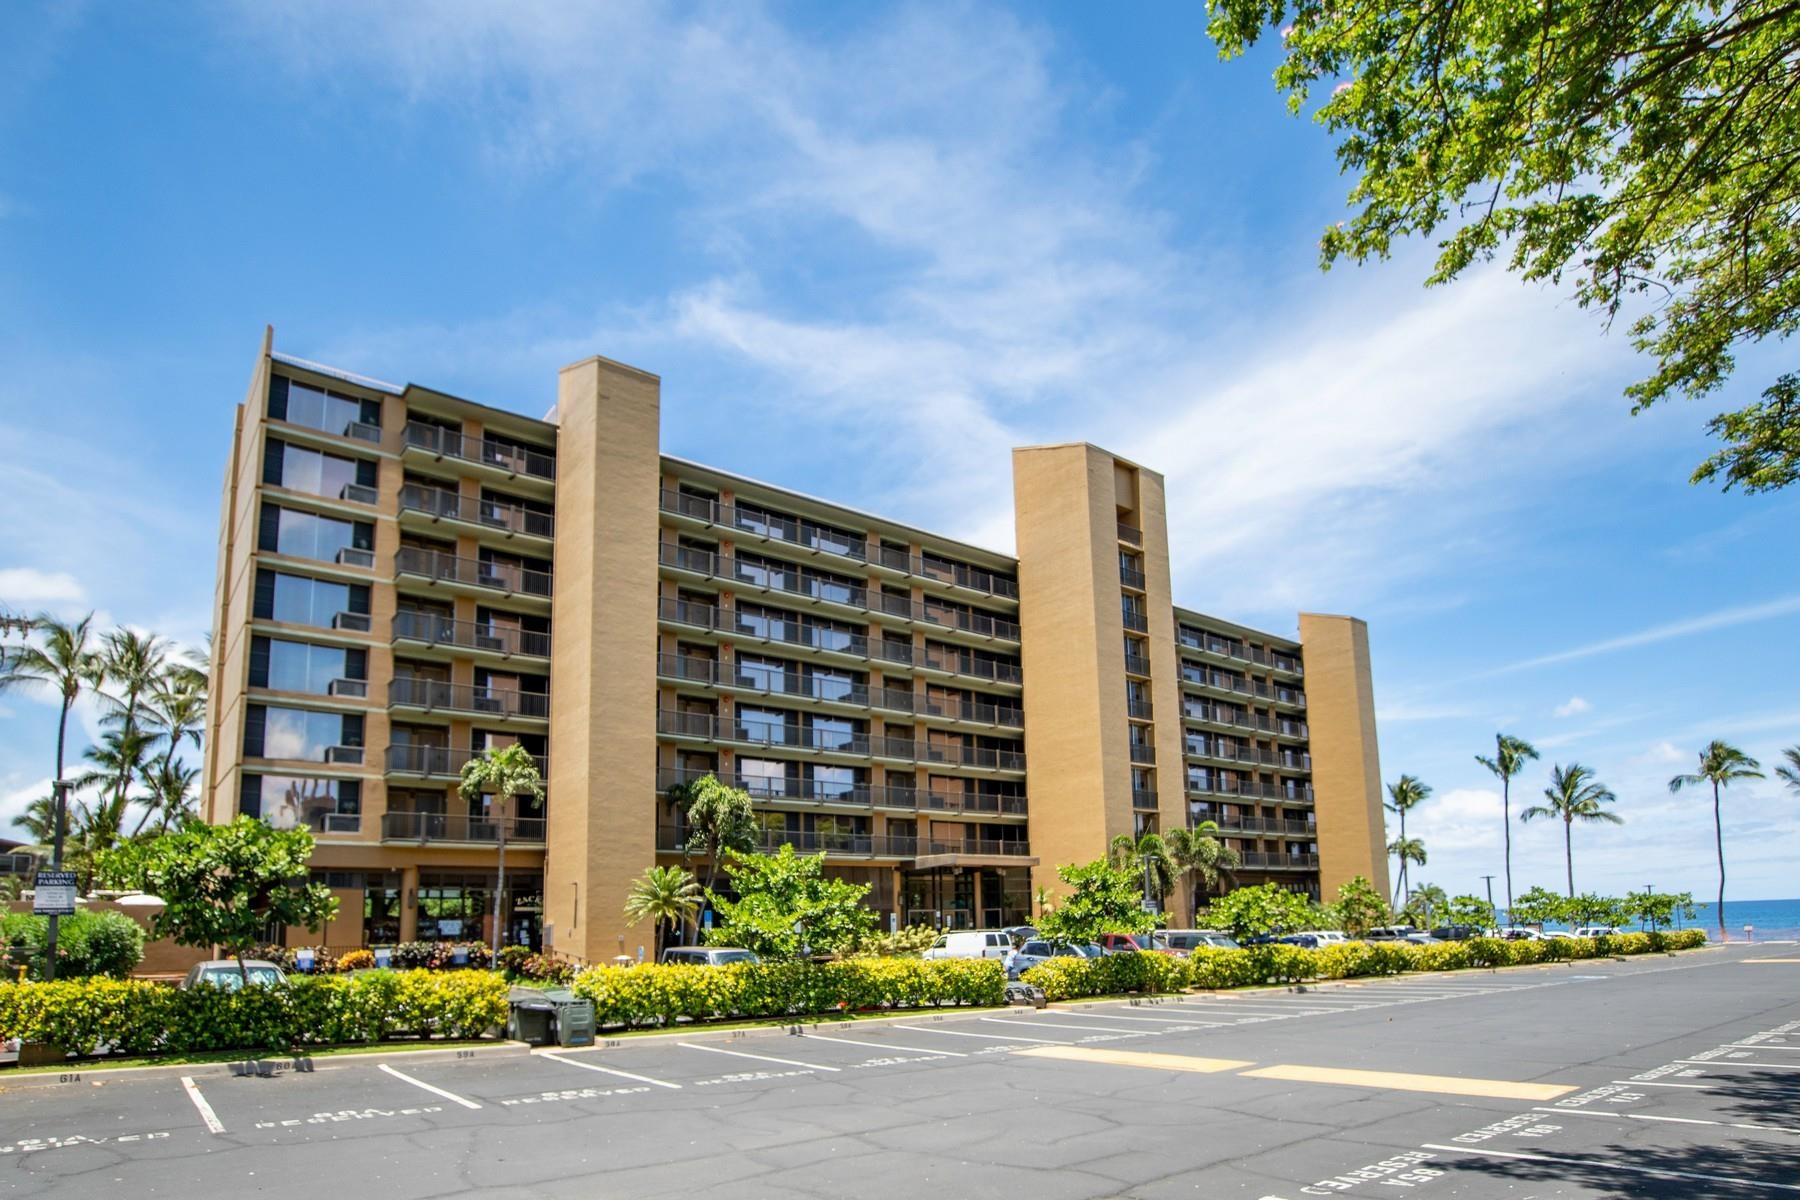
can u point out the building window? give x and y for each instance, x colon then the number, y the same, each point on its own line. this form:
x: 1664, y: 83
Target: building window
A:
x: 302, y: 404
x: 291, y: 801
x: 302, y: 470
x: 285, y: 666
x: 308, y: 535
x: 297, y: 600
x: 272, y: 731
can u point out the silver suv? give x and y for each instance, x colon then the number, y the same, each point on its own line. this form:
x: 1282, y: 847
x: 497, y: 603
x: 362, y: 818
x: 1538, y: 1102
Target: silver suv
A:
x: 707, y: 956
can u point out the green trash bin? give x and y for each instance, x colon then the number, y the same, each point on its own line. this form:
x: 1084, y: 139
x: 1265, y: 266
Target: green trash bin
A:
x: 574, y: 1023
x: 531, y: 1017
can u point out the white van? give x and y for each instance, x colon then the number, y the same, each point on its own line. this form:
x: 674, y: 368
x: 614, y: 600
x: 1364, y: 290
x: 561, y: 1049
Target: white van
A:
x: 972, y: 943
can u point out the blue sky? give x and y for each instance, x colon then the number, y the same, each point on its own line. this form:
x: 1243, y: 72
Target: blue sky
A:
x: 868, y: 250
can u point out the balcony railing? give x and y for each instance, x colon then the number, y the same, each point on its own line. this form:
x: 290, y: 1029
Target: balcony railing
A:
x: 812, y: 536
x: 1275, y: 825
x: 1291, y: 696
x: 440, y: 760
x: 985, y: 846
x: 447, y: 444
x: 1203, y: 748
x: 433, y: 694
x: 458, y: 827
x: 502, y: 577
x: 1131, y: 578
x: 1131, y: 535
x: 1278, y: 862
x: 1137, y: 664
x: 1143, y: 798
x: 495, y: 514
x: 770, y: 682
x: 1140, y: 710
x: 1214, y: 715
x: 1135, y: 621
x: 1251, y: 787
x: 1142, y: 752
x: 672, y: 723
x: 795, y: 581
x: 433, y: 630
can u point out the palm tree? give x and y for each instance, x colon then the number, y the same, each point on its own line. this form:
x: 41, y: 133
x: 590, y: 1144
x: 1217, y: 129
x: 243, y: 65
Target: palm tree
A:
x: 720, y: 821
x: 1198, y: 851
x: 1510, y: 757
x: 1574, y: 795
x: 1721, y: 764
x: 1150, y: 855
x: 663, y: 894
x: 66, y: 660
x: 176, y: 713
x: 505, y: 771
x: 1405, y: 794
x: 1428, y: 900
x: 135, y: 663
x: 170, y: 785
x: 1790, y: 773
x: 1407, y: 850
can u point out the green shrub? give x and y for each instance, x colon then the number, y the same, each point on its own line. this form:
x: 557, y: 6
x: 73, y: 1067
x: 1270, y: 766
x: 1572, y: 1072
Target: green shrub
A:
x: 654, y: 995
x: 139, y: 1017
x: 87, y: 944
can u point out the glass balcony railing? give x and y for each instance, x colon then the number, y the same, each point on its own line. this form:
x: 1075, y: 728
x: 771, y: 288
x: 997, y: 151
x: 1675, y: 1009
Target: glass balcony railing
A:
x: 434, y: 630
x: 493, y: 514
x: 458, y: 827
x: 474, y: 572
x: 432, y: 694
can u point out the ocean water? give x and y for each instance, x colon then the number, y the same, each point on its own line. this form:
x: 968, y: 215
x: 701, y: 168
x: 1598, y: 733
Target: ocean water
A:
x: 1773, y: 919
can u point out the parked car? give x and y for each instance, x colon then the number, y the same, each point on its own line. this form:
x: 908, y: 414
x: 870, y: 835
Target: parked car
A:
x: 1120, y: 943
x: 1561, y: 935
x: 1310, y: 941
x: 972, y: 943
x: 706, y: 956
x: 1035, y: 953
x: 1598, y: 931
x: 1421, y: 939
x: 1389, y: 933
x: 1327, y: 937
x: 1189, y: 940
x: 1517, y: 934
x: 1020, y: 934
x: 224, y: 973
x: 1457, y: 933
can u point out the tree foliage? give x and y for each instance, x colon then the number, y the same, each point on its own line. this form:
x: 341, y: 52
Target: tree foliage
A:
x: 223, y: 885
x: 1721, y: 765
x: 786, y: 907
x: 1360, y: 907
x: 1539, y: 906
x: 1253, y: 911
x: 663, y: 894
x: 720, y: 821
x: 1644, y: 151
x: 1101, y: 898
x: 1427, y: 905
x: 1469, y: 910
x: 1574, y: 795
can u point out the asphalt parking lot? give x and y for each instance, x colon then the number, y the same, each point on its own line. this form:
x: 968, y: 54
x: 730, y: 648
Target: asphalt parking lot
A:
x: 1657, y: 1077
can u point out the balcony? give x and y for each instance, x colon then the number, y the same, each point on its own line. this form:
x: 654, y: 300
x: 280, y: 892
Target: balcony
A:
x: 1137, y: 664
x: 1292, y: 729
x: 1132, y: 578
x: 1289, y: 696
x: 460, y: 828
x: 1256, y: 859
x: 972, y: 852
x: 1143, y: 798
x: 431, y: 695
x: 821, y: 539
x: 439, y: 567
x: 1135, y: 621
x: 442, y: 443
x: 1143, y: 752
x: 440, y: 762
x: 1139, y: 710
x: 707, y: 727
x: 441, y: 504
x: 971, y: 802
x: 1270, y: 825
x: 673, y: 839
x: 429, y: 629
x: 1131, y: 535
x: 763, y: 577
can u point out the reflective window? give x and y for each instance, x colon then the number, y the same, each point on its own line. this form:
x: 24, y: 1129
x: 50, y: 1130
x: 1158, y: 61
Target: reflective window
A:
x: 833, y: 781
x: 307, y: 535
x: 300, y: 667
x: 304, y: 470
x: 303, y: 601
x: 833, y: 733
x: 288, y: 801
x: 298, y: 734
x: 764, y: 725
x: 318, y: 409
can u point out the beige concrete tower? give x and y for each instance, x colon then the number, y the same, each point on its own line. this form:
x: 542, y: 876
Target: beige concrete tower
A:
x: 602, y: 826
x: 1090, y: 629
x: 1346, y: 768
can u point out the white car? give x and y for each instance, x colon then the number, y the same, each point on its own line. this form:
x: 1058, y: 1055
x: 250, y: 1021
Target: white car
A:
x: 1597, y: 931
x: 1327, y: 937
x: 1520, y: 935
x: 972, y: 943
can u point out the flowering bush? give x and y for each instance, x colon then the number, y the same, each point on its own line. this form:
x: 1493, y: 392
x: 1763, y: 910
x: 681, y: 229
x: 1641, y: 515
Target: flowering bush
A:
x: 356, y: 960
x: 139, y: 1017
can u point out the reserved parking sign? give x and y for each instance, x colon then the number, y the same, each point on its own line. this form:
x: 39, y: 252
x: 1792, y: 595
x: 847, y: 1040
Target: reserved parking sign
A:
x: 55, y: 894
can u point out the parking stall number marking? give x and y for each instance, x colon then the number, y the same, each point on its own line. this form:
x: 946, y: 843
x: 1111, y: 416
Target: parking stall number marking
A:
x: 1399, y: 1171
x: 565, y: 1095
x: 350, y: 1114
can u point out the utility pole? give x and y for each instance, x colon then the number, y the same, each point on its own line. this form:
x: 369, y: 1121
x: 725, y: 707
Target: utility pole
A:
x: 1490, y: 888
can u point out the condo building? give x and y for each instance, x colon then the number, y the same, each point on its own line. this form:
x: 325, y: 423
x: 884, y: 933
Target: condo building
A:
x: 408, y: 578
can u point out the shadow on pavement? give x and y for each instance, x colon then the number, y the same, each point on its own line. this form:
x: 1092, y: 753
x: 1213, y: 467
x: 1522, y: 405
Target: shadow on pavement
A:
x: 1723, y: 1171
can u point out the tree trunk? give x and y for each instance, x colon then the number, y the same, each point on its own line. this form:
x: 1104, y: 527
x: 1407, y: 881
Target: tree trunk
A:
x: 1719, y: 841
x: 1569, y: 853
x: 1506, y: 828
x: 499, y: 886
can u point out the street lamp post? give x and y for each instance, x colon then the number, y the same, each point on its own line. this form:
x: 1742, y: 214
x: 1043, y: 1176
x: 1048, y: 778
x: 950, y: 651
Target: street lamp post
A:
x: 60, y: 789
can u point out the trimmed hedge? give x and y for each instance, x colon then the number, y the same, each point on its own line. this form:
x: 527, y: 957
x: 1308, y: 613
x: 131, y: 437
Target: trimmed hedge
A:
x: 88, y: 943
x: 655, y: 995
x: 138, y: 1017
x: 1066, y: 978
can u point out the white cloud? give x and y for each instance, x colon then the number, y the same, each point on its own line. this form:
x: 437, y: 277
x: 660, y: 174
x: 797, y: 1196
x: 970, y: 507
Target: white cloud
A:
x: 1723, y: 618
x: 1574, y: 706
x: 27, y: 588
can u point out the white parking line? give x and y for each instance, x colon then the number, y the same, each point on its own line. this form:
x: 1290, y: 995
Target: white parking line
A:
x: 1580, y: 1112
x: 1761, y: 1046
x: 827, y: 1037
x: 990, y: 1037
x: 1054, y: 1025
x: 436, y: 1091
x: 213, y: 1124
x: 786, y: 1062
x: 1614, y: 1165
x: 1698, y: 1087
x: 1721, y: 1062
x: 1195, y: 1022
x: 587, y: 1066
